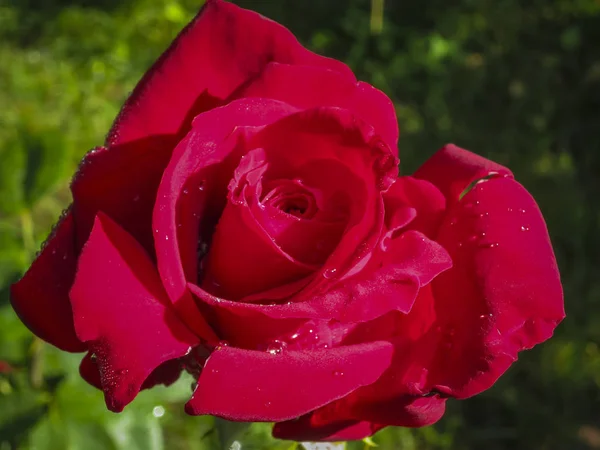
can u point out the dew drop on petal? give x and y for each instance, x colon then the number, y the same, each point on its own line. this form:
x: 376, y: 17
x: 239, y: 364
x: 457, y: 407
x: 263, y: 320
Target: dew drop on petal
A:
x: 329, y: 273
x: 276, y: 347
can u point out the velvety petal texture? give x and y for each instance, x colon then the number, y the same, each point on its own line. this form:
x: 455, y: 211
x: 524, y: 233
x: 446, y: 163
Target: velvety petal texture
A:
x: 227, y: 389
x: 41, y: 297
x: 121, y: 311
x: 218, y: 52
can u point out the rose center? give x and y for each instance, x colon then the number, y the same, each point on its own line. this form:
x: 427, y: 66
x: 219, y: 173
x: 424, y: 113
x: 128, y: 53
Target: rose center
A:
x: 293, y: 199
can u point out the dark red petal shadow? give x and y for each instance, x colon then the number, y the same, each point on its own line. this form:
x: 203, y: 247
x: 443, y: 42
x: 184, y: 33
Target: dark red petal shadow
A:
x: 167, y: 373
x: 122, y: 183
x: 41, y: 297
x: 333, y: 423
x: 247, y: 385
x: 222, y: 48
x: 121, y: 311
x: 337, y: 431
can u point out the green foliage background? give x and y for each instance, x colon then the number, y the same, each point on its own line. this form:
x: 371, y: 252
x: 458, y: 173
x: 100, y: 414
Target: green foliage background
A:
x: 515, y: 80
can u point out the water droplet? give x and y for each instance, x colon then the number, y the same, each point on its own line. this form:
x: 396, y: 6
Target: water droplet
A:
x: 509, y: 209
x: 488, y: 245
x: 214, y: 370
x: 522, y: 211
x: 329, y: 273
x: 136, y: 198
x: 166, y: 238
x: 156, y: 230
x: 338, y: 373
x: 524, y: 228
x: 201, y: 187
x: 65, y: 257
x: 93, y: 357
x: 158, y: 411
x: 185, y: 191
x: 221, y: 344
x: 276, y: 347
x: 484, y: 214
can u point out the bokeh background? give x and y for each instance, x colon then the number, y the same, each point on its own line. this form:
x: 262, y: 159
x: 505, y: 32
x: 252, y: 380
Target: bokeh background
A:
x: 515, y: 80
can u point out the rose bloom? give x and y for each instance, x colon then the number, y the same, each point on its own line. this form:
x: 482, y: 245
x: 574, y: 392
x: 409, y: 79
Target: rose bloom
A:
x: 245, y: 222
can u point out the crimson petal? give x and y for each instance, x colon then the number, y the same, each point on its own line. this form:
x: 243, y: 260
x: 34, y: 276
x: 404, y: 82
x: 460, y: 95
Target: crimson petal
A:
x: 41, y: 297
x: 504, y: 272
x: 247, y: 385
x: 222, y: 48
x: 122, y: 312
x: 308, y: 87
x: 303, y: 429
x: 121, y: 182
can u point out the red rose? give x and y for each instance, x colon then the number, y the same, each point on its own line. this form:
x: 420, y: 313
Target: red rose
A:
x: 245, y: 221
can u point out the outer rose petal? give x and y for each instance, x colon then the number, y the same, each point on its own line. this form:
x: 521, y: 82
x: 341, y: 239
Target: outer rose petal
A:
x: 167, y: 373
x: 41, y: 297
x: 503, y: 293
x: 308, y: 87
x: 121, y: 182
x: 222, y: 48
x: 427, y: 201
x: 452, y: 169
x: 343, y: 430
x: 122, y: 313
x: 247, y: 385
x: 334, y: 423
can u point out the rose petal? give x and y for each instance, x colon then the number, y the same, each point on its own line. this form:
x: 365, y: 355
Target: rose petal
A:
x: 41, y: 297
x: 335, y: 422
x: 122, y: 183
x: 222, y: 48
x: 167, y: 373
x: 121, y: 311
x: 452, y: 169
x: 410, y: 263
x: 307, y: 87
x: 422, y: 196
x: 195, y: 178
x: 343, y: 430
x: 247, y: 385
x: 244, y: 261
x: 509, y: 285
x: 504, y: 272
